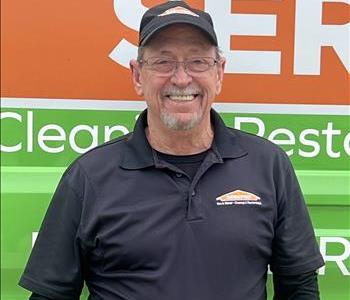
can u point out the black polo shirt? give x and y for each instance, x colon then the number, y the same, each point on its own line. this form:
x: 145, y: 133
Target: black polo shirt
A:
x: 135, y: 227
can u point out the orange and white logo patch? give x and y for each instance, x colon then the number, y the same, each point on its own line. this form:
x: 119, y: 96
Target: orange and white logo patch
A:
x: 178, y: 10
x: 238, y: 197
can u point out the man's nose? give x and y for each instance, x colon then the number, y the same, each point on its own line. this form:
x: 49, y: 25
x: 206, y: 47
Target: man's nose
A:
x: 180, y: 76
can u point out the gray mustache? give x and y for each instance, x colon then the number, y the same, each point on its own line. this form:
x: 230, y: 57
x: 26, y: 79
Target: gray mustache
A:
x: 174, y: 91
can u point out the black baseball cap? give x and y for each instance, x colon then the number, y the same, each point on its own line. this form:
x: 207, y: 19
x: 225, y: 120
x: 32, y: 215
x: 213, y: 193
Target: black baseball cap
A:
x: 174, y: 12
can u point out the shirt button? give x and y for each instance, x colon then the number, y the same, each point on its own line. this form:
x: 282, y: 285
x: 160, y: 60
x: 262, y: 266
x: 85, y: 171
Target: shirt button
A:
x: 178, y: 175
x: 193, y: 193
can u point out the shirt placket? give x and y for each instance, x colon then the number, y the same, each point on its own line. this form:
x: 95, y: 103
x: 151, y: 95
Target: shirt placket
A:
x: 195, y: 210
x: 191, y: 190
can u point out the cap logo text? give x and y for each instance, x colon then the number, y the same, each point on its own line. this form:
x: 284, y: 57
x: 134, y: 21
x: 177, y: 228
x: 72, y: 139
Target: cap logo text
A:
x: 178, y: 10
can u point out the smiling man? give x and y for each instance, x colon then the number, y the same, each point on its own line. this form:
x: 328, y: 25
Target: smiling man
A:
x: 179, y: 73
x: 183, y: 208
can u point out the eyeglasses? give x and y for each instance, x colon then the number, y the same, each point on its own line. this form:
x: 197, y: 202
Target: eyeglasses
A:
x: 166, y: 66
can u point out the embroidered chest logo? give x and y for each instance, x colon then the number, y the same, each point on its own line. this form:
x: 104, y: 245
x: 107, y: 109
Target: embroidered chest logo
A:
x: 238, y: 197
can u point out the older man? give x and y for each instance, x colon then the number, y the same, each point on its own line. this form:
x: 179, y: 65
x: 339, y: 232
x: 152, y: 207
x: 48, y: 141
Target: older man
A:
x: 183, y: 208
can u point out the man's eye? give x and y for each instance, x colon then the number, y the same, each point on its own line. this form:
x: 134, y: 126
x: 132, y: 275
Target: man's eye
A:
x: 198, y: 61
x: 162, y: 62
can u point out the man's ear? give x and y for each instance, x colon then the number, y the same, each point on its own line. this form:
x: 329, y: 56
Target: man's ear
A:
x: 136, y: 76
x: 220, y: 74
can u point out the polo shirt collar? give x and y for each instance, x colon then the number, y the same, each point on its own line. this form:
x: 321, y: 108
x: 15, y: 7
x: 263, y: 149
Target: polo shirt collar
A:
x: 137, y: 152
x: 226, y: 141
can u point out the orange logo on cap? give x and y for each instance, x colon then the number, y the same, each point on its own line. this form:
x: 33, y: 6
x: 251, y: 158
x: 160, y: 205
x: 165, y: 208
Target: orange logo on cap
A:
x: 178, y: 10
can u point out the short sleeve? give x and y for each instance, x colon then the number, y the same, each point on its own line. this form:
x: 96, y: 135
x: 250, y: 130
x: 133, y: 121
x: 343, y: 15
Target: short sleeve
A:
x: 54, y: 268
x: 294, y: 249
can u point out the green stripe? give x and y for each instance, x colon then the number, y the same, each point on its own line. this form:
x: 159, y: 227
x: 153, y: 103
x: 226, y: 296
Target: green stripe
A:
x: 323, y: 200
x: 319, y: 187
x: 332, y: 232
x: 324, y: 182
x: 23, y: 180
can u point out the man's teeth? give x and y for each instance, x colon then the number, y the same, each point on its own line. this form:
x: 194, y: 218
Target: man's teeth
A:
x: 181, y: 98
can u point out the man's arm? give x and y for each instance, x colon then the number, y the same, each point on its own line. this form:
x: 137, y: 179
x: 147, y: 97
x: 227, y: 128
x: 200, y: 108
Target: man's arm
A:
x: 55, y: 266
x: 295, y: 252
x: 296, y: 287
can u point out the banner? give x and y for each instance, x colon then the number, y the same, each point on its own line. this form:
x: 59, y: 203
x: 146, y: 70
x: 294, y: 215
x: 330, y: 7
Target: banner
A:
x: 66, y: 87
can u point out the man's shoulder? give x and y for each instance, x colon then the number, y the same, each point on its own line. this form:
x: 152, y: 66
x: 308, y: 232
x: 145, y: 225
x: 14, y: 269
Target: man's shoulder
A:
x: 104, y: 155
x: 250, y: 140
x: 258, y: 146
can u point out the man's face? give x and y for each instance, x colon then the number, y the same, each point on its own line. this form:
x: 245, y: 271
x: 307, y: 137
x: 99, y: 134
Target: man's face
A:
x: 178, y: 100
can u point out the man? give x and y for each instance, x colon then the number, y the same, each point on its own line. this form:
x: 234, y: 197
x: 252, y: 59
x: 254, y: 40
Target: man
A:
x: 182, y: 208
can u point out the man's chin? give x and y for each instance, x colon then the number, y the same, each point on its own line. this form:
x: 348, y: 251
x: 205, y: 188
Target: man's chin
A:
x: 172, y: 121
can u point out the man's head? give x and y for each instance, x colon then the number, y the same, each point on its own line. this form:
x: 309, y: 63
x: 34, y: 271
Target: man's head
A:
x: 174, y: 12
x: 179, y: 70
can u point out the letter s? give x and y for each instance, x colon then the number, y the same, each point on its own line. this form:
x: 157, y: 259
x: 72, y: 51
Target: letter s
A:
x: 124, y: 50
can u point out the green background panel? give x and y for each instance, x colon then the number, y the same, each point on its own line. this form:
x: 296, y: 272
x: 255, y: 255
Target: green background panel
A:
x: 28, y: 180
